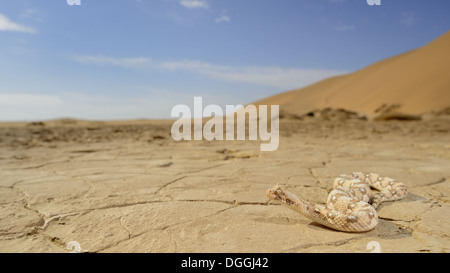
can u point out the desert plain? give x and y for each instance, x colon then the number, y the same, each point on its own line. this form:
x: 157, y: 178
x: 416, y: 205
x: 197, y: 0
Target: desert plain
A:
x: 127, y: 186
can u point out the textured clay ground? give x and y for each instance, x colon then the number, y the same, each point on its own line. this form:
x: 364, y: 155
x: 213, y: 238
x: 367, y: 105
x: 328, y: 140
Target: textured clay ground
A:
x: 128, y: 187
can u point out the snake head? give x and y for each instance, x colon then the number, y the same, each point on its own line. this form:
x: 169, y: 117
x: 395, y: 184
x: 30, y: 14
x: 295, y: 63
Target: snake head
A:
x: 273, y: 193
x: 278, y: 194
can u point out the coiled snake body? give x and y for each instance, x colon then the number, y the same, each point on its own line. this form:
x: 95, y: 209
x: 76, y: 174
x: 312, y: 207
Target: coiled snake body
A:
x: 351, y: 205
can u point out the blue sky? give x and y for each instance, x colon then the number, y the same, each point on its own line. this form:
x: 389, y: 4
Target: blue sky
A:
x: 127, y: 59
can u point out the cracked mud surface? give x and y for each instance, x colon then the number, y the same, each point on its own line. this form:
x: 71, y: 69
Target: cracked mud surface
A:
x: 116, y: 187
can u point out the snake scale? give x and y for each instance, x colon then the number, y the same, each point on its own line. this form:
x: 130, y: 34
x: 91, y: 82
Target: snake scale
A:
x: 351, y: 205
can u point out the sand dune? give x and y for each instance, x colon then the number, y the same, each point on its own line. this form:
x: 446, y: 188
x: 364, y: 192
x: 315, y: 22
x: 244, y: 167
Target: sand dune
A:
x: 413, y: 83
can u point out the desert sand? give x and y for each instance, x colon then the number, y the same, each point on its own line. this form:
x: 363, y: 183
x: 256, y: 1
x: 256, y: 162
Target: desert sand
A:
x: 128, y: 187
x: 409, y: 85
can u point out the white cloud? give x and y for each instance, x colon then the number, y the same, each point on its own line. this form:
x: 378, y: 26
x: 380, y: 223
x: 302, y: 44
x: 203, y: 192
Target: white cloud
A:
x: 27, y: 107
x: 189, y: 65
x: 283, y: 78
x: 154, y: 104
x: 408, y: 18
x: 194, y: 4
x: 7, y: 25
x: 27, y: 13
x: 102, y: 60
x: 273, y: 76
x: 223, y: 18
x: 28, y: 99
x: 344, y: 27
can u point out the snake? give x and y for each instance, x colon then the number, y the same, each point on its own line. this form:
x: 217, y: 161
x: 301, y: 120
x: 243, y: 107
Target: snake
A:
x: 351, y: 205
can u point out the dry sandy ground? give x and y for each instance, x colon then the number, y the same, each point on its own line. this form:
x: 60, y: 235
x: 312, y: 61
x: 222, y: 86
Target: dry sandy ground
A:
x: 128, y: 187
